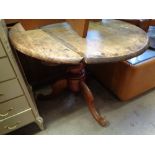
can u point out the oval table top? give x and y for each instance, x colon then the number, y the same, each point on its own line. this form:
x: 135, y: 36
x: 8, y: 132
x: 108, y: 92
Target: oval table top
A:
x: 106, y: 41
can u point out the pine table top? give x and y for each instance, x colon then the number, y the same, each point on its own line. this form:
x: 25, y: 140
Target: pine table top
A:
x: 106, y: 41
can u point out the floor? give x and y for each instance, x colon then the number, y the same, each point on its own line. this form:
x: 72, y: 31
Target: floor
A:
x: 68, y: 114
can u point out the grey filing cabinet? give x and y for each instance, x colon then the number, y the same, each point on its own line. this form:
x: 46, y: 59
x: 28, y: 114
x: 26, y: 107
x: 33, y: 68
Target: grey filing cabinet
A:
x: 17, y: 105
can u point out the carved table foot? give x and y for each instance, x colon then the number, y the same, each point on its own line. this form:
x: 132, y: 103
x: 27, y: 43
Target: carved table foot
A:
x: 90, y: 101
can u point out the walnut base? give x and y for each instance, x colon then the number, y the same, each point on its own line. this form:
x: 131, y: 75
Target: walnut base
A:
x: 75, y: 81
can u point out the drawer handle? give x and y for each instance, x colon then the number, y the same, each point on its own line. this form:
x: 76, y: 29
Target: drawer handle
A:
x: 1, y: 94
x: 13, y: 126
x: 7, y: 113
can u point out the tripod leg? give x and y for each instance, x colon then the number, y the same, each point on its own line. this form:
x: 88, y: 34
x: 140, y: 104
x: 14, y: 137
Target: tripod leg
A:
x: 90, y: 102
x: 57, y: 88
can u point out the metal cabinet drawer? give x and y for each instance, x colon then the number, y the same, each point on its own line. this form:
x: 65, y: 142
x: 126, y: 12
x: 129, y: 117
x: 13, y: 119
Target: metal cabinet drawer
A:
x: 2, y: 52
x: 16, y: 122
x: 13, y: 107
x: 6, y: 71
x: 10, y: 89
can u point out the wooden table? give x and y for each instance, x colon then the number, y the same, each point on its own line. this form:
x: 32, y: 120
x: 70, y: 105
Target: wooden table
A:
x: 106, y: 41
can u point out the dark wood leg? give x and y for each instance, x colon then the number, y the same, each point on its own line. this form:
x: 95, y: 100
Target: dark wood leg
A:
x: 57, y: 88
x: 90, y: 102
x: 76, y: 83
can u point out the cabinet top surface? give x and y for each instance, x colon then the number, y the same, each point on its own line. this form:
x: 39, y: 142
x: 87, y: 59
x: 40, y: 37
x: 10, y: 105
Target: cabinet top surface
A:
x: 106, y: 41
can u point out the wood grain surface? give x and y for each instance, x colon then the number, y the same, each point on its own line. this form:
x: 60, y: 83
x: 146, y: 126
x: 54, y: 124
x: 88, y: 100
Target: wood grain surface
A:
x: 106, y: 41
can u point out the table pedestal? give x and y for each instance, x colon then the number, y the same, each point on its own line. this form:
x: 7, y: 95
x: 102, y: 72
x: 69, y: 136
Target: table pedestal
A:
x: 75, y: 81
